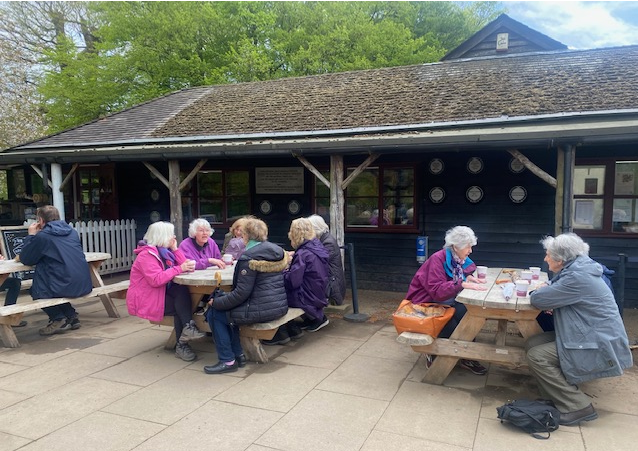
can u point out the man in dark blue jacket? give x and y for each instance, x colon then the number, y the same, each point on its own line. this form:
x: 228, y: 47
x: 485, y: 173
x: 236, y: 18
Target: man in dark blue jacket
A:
x: 61, y: 270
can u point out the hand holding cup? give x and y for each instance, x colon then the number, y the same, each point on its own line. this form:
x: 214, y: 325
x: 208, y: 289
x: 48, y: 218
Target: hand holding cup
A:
x: 188, y: 266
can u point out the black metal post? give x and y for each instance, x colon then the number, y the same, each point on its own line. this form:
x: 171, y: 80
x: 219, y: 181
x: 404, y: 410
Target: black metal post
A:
x: 354, y: 317
x: 620, y: 292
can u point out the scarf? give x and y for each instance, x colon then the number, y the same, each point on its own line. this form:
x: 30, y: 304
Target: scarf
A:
x: 168, y: 259
x: 454, y: 266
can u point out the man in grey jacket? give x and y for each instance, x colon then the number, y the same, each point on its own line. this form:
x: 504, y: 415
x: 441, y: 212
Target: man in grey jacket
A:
x: 589, y: 341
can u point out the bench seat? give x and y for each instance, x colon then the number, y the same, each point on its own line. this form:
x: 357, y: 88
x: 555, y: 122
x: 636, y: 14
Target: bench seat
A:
x: 249, y: 334
x: 11, y: 315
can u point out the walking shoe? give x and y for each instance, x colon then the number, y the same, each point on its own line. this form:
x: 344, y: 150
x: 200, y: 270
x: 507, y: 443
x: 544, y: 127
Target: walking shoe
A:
x: 281, y: 338
x: 73, y: 324
x: 428, y: 360
x: 54, y: 327
x: 318, y: 324
x: 22, y: 323
x: 184, y: 352
x: 190, y: 332
x: 241, y: 360
x: 573, y: 418
x: 221, y: 367
x: 294, y: 331
x: 473, y: 366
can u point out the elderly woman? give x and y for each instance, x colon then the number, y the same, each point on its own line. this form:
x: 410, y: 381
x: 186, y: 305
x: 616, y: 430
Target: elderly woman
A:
x: 236, y: 244
x: 589, y: 341
x: 443, y: 275
x: 258, y: 295
x: 199, y: 245
x: 337, y: 281
x: 152, y: 294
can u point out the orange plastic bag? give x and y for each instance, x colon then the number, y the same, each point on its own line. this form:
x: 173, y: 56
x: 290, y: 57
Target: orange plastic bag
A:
x: 427, y: 319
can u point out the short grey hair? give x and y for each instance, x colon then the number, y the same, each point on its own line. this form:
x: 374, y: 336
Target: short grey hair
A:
x: 196, y: 224
x: 159, y: 234
x: 460, y: 237
x: 565, y: 247
x: 319, y: 225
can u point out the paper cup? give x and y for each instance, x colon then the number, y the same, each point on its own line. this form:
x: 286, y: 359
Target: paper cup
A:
x: 521, y: 288
x: 536, y: 272
x: 227, y: 258
x: 526, y: 274
x: 481, y: 272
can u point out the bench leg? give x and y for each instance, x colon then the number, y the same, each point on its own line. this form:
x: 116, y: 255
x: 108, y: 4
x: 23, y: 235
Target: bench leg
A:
x: 8, y: 336
x: 253, y: 349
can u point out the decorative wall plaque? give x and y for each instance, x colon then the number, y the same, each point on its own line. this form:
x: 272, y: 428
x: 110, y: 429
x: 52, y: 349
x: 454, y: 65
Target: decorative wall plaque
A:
x: 474, y: 194
x: 518, y: 194
x: 437, y: 194
x: 436, y: 166
x: 265, y: 207
x: 516, y: 166
x: 294, y: 207
x: 475, y: 165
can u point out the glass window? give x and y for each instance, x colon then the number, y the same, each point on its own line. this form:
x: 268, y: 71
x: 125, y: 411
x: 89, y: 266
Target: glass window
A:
x: 625, y: 202
x: 322, y: 197
x: 589, y: 180
x: 223, y: 195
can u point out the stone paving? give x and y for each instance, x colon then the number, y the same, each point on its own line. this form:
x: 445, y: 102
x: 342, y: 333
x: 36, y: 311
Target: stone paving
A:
x: 111, y: 385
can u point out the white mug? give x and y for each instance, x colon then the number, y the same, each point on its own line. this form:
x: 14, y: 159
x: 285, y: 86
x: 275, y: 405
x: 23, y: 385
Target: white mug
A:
x: 227, y: 258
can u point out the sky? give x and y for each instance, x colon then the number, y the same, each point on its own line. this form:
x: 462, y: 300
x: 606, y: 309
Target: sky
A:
x: 580, y: 25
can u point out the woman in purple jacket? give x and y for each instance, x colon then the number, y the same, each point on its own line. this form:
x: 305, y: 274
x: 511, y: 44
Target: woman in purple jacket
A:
x: 199, y: 245
x: 443, y: 275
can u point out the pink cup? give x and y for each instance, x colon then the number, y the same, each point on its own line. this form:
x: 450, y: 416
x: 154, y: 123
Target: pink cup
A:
x: 481, y: 272
x: 536, y: 272
x: 521, y: 288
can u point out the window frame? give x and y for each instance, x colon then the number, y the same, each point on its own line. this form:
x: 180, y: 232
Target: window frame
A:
x: 224, y: 197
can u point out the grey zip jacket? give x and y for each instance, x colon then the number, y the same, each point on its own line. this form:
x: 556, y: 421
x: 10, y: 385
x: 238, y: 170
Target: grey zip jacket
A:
x: 590, y: 334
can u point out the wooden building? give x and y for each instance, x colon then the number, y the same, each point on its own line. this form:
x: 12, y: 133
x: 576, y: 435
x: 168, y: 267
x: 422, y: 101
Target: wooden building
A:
x: 523, y: 140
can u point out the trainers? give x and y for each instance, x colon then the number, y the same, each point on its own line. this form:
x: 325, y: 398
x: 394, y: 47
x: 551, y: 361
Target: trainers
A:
x: 190, y: 332
x: 281, y: 338
x: 473, y: 366
x: 184, y: 352
x: 22, y: 323
x: 318, y: 324
x: 294, y: 331
x: 54, y: 327
x: 428, y: 360
x: 73, y: 324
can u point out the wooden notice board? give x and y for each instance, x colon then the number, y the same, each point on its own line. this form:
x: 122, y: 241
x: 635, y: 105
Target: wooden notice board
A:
x: 11, y: 241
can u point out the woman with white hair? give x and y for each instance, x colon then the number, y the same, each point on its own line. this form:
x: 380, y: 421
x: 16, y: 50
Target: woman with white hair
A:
x: 336, y: 281
x: 589, y: 340
x: 443, y: 275
x: 152, y: 294
x: 199, y: 245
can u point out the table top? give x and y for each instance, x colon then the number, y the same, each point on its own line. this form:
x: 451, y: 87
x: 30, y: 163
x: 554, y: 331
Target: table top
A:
x: 493, y: 297
x: 9, y: 266
x: 206, y: 277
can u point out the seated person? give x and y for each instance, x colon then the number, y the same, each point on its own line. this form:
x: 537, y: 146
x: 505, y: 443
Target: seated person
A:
x: 258, y: 295
x: 12, y: 286
x: 337, y: 280
x: 589, y: 340
x: 152, y: 294
x: 236, y: 244
x: 199, y: 246
x: 443, y: 275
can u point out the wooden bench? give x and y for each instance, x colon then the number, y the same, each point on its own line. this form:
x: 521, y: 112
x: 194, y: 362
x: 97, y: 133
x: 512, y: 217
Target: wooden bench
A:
x: 11, y: 315
x: 249, y: 334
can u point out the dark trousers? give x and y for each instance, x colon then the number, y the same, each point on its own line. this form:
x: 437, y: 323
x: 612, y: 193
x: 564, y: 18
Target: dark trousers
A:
x: 226, y: 335
x: 12, y: 287
x: 459, y: 311
x: 178, y: 304
x: 60, y: 312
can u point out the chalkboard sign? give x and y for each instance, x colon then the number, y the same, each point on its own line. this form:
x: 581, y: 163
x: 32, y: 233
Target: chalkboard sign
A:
x: 11, y: 243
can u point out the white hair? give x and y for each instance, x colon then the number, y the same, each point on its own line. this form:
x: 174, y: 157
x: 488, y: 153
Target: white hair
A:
x: 460, y: 237
x: 159, y: 234
x: 565, y: 247
x: 196, y: 224
x: 319, y: 225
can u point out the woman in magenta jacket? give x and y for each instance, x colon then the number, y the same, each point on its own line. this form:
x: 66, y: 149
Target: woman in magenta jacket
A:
x: 152, y: 293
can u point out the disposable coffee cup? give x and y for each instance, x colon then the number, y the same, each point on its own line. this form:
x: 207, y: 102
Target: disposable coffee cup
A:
x: 526, y: 274
x: 536, y: 272
x: 521, y: 288
x: 227, y: 258
x: 481, y: 272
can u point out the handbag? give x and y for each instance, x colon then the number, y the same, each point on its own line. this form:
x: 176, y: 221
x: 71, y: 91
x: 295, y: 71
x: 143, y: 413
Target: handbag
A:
x: 429, y: 319
x: 531, y: 416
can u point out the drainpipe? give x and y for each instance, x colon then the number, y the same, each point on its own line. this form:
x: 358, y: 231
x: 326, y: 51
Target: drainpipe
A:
x: 568, y: 189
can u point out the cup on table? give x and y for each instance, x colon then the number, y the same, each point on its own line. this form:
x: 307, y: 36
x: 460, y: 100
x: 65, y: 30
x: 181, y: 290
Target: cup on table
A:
x: 481, y: 272
x: 526, y: 274
x: 521, y: 287
x: 536, y: 272
x: 228, y: 259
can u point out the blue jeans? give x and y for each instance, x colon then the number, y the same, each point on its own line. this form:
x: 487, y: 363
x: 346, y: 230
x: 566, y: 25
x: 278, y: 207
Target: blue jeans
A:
x: 12, y: 285
x: 226, y: 336
x: 60, y: 312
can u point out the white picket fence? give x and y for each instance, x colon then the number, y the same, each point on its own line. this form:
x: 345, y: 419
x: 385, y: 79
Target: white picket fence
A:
x: 115, y: 237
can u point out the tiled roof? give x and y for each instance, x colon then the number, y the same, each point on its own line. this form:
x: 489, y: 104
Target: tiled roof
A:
x: 456, y: 90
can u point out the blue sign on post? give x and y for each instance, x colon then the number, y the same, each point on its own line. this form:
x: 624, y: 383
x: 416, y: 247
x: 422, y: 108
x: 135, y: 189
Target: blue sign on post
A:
x: 421, y: 248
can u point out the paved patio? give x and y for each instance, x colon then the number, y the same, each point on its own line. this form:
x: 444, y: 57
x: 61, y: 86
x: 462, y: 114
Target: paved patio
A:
x: 351, y: 386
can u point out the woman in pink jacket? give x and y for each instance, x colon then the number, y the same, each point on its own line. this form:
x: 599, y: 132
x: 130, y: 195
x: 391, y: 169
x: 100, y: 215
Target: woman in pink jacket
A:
x: 152, y: 294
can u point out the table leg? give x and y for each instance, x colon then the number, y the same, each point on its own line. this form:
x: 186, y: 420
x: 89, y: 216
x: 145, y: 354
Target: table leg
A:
x: 96, y: 278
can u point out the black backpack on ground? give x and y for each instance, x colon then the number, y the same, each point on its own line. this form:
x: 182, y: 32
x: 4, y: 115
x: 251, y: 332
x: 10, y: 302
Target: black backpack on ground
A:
x: 531, y: 416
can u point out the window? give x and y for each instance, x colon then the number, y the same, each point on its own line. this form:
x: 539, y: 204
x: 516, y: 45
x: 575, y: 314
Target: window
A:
x: 223, y: 195
x: 606, y: 197
x: 89, y: 184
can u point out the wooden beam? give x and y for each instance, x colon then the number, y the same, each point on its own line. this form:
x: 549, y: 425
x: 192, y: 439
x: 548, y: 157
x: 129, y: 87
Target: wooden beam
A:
x: 533, y: 168
x: 175, y: 198
x: 69, y: 176
x: 314, y: 170
x: 157, y: 174
x: 192, y: 174
x: 362, y: 167
x: 39, y: 172
x: 560, y: 189
x: 337, y: 200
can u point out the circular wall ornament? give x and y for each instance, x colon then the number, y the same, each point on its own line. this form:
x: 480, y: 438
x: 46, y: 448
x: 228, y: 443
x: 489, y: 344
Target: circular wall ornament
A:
x: 475, y: 165
x: 155, y: 195
x: 265, y: 207
x: 436, y: 166
x: 155, y: 216
x: 294, y: 207
x: 437, y: 194
x: 516, y: 166
x: 518, y: 194
x: 474, y: 194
